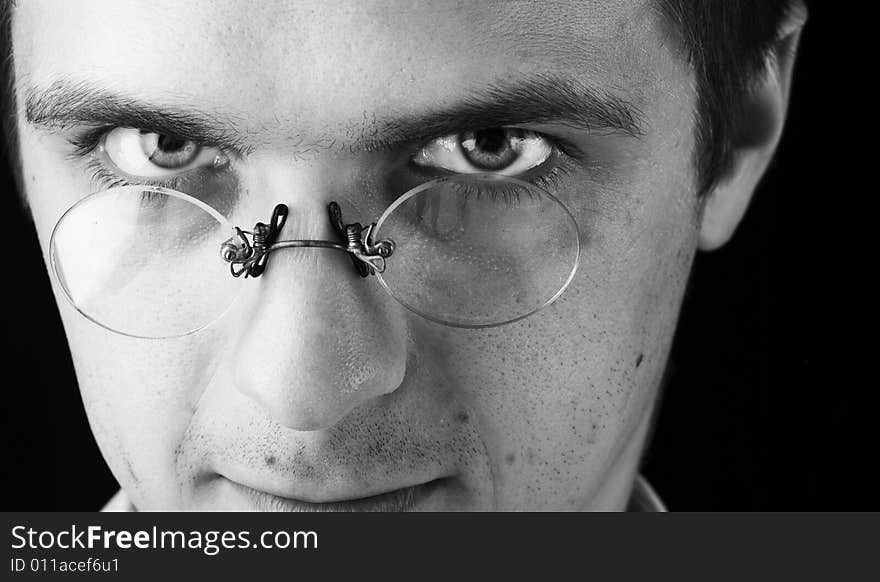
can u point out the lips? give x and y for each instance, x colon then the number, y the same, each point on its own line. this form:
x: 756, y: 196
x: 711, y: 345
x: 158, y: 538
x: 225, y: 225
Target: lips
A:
x: 402, y: 499
x: 375, y: 459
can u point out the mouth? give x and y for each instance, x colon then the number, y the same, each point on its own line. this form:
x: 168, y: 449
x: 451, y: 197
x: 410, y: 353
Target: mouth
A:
x: 403, y: 499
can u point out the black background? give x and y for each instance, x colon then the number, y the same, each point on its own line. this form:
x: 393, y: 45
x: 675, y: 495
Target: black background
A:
x: 747, y: 423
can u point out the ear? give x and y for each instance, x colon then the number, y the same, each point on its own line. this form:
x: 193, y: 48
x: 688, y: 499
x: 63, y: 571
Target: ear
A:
x: 758, y: 132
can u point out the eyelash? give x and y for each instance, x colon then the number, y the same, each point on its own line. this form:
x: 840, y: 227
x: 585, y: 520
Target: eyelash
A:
x: 87, y: 142
x: 550, y: 181
x: 562, y: 164
x: 100, y: 176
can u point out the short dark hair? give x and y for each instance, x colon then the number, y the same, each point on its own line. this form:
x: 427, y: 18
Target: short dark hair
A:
x: 726, y: 43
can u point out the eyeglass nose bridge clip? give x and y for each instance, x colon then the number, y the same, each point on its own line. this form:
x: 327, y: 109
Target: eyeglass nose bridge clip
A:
x: 249, y: 257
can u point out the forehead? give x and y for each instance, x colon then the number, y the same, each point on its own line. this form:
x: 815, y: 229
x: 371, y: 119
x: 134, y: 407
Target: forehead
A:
x: 320, y: 61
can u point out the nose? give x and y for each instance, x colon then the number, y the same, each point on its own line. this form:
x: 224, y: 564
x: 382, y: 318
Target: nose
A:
x: 317, y: 340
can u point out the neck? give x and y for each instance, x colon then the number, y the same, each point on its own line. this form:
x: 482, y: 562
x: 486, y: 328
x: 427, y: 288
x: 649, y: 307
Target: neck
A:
x: 614, y: 493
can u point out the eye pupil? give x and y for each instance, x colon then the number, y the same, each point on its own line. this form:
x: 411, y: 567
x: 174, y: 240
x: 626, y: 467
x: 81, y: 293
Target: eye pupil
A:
x: 489, y: 149
x: 168, y: 143
x: 493, y: 141
x: 168, y: 151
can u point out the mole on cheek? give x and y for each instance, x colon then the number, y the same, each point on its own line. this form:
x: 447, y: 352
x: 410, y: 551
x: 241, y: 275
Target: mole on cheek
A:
x: 270, y: 460
x: 510, y: 458
x: 462, y: 417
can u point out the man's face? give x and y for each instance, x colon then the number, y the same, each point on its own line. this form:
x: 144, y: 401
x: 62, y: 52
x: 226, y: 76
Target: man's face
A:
x: 319, y: 388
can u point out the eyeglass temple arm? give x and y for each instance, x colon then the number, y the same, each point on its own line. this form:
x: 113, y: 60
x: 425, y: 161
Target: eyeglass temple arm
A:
x: 250, y: 258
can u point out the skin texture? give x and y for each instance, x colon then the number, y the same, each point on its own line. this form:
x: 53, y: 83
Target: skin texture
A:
x: 318, y: 387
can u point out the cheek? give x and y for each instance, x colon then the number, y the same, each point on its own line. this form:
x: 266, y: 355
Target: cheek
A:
x: 140, y: 397
x: 562, y: 393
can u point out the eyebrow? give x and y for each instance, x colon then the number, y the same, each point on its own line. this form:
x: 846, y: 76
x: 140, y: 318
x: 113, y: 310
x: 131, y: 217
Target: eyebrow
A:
x: 537, y: 99
x: 65, y: 104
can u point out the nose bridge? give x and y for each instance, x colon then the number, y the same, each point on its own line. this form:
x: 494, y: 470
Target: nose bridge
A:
x: 317, y: 339
x: 308, y: 220
x: 306, y: 188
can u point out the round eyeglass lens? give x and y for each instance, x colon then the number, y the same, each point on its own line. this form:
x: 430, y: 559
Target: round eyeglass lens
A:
x: 478, y: 250
x: 144, y: 261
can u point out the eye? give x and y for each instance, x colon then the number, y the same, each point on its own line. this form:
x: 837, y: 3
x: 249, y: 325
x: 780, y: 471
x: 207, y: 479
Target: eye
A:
x: 505, y: 151
x: 154, y: 155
